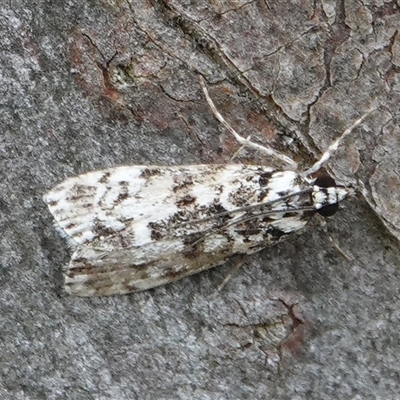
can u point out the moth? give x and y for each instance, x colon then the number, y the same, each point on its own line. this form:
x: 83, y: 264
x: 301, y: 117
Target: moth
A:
x: 132, y: 228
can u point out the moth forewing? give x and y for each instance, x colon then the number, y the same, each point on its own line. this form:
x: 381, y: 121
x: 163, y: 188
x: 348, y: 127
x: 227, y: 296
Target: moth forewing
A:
x: 131, y: 226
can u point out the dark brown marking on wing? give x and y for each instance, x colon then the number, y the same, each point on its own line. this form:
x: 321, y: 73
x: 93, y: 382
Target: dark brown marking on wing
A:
x: 156, y: 235
x: 241, y: 197
x: 81, y: 191
x: 217, y: 208
x: 149, y: 172
x: 276, y: 233
x: 104, y: 178
x: 172, y: 273
x: 247, y: 233
x: 262, y: 195
x: 59, y: 188
x: 121, y: 197
x: 250, y: 228
x: 284, y: 193
x: 71, y: 225
x: 101, y: 230
x: 182, y: 184
x: 265, y: 178
x: 218, y: 188
x: 85, y: 267
x: 125, y: 241
x: 179, y: 217
x: 78, y: 235
x: 194, y: 245
x: 124, y: 192
x: 158, y: 231
x: 186, y: 201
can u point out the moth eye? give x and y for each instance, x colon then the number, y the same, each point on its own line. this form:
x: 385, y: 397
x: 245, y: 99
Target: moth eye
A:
x: 325, y: 181
x: 329, y: 210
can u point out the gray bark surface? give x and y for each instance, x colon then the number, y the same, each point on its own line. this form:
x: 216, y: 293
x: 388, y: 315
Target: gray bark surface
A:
x: 91, y: 85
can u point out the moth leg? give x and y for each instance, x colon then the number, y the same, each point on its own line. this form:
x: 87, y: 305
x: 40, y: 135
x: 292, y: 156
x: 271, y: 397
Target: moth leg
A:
x: 233, y: 271
x: 322, y: 222
x: 241, y: 140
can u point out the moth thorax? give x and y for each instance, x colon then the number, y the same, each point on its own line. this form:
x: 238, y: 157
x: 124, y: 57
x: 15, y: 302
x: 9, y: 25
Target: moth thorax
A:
x: 327, y: 195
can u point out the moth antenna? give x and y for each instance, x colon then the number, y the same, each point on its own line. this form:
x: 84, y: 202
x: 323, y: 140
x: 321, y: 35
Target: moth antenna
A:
x: 334, y: 146
x: 241, y: 140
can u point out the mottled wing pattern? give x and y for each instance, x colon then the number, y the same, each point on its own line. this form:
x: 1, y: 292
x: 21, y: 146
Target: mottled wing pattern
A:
x: 136, y: 227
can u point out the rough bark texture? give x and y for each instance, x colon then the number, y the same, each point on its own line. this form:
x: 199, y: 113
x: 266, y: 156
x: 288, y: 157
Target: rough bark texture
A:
x: 88, y: 85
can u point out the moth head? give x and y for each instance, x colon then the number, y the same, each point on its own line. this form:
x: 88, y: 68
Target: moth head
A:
x: 327, y: 195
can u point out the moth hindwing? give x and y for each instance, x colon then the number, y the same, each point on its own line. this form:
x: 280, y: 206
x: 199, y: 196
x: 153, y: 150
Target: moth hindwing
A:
x: 132, y: 228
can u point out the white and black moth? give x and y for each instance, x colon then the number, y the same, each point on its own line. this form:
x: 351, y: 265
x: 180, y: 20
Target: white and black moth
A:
x: 132, y: 228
